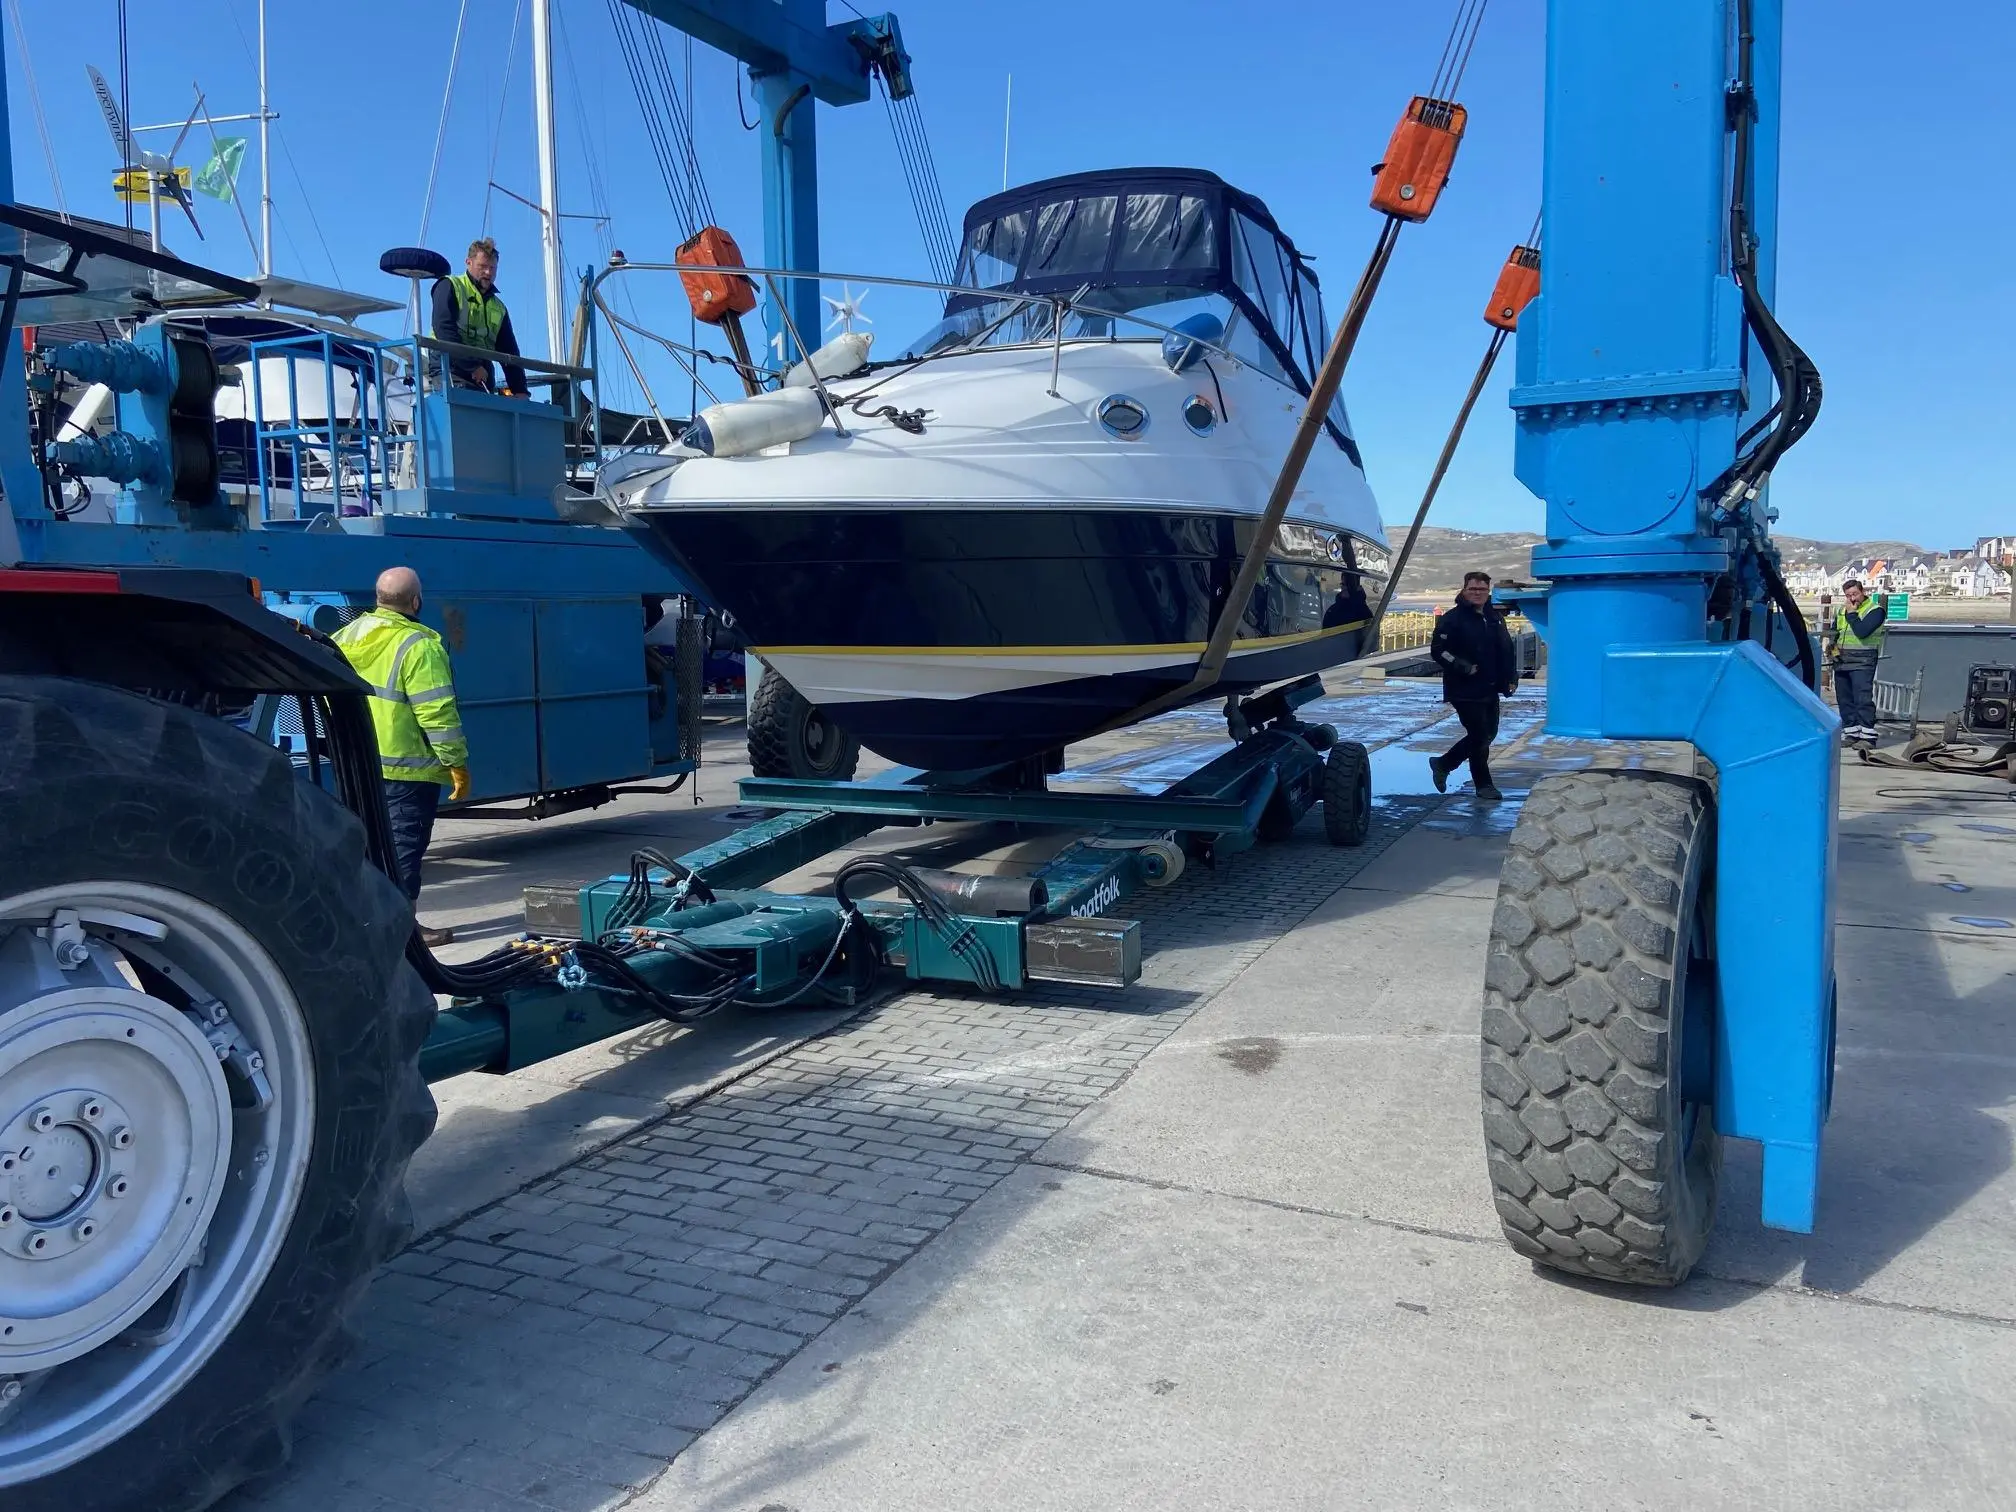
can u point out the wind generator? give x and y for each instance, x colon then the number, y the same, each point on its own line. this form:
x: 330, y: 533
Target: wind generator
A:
x: 144, y: 174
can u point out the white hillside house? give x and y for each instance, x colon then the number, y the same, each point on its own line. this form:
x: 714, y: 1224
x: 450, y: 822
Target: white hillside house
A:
x: 1977, y: 578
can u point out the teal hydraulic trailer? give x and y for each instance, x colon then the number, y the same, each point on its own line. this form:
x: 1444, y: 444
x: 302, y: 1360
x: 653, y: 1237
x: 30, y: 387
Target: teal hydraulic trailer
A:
x: 683, y: 939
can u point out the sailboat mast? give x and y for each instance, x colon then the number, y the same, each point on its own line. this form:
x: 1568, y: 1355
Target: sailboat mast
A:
x: 549, y: 179
x: 265, y: 159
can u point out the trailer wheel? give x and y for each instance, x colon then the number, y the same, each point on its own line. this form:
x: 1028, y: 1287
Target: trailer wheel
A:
x: 791, y: 737
x: 209, y: 1091
x: 1347, y: 793
x: 1598, y: 1028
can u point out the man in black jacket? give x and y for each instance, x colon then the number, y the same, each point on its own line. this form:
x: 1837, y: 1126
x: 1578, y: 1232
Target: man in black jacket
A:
x: 1474, y: 650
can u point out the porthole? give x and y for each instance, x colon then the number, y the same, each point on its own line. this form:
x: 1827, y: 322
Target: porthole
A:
x: 1199, y: 415
x: 1122, y: 417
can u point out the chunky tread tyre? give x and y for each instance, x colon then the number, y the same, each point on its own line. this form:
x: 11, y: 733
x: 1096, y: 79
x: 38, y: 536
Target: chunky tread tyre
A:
x: 1599, y: 1165
x: 1347, y: 793
x: 788, y: 737
x: 98, y: 784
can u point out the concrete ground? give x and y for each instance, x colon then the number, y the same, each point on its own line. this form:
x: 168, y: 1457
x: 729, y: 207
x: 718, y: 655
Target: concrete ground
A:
x: 1222, y: 1241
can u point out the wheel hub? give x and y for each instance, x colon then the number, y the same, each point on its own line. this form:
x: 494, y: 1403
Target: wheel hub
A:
x: 115, y: 1142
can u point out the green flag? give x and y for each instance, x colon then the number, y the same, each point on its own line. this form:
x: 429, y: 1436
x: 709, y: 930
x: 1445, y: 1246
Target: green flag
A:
x: 218, y: 177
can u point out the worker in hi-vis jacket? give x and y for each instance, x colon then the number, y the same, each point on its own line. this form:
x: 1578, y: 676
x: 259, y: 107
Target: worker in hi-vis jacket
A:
x: 421, y: 748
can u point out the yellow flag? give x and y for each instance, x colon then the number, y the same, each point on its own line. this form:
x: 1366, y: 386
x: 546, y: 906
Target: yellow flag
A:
x: 131, y: 185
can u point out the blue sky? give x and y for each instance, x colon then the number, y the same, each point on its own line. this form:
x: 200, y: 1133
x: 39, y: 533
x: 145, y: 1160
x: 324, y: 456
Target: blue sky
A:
x: 1908, y: 311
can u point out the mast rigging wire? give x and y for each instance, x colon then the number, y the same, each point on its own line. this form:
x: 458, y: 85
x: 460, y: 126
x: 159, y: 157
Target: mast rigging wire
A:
x: 503, y: 104
x: 441, y: 126
x: 125, y: 112
x: 35, y: 105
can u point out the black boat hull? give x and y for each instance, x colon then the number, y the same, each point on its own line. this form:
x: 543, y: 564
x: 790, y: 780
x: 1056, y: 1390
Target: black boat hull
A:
x: 964, y: 638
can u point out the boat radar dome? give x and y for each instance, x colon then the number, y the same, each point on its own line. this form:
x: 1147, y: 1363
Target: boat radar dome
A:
x: 413, y: 262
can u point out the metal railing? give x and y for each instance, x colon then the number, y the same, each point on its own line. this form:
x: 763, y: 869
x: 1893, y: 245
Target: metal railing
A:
x: 349, y: 461
x: 593, y: 304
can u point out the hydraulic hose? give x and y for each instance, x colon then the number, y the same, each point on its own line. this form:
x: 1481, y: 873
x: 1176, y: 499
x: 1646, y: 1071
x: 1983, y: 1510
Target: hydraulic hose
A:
x: 1781, y: 595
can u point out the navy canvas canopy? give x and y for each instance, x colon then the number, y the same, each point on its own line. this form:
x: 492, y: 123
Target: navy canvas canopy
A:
x: 1148, y: 229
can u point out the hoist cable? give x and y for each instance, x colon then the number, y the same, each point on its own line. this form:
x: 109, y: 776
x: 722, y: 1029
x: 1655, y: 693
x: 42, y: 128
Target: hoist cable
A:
x: 1456, y: 49
x: 1463, y: 64
x: 934, y: 189
x: 678, y: 187
x: 1497, y: 345
x: 920, y: 178
x: 679, y: 119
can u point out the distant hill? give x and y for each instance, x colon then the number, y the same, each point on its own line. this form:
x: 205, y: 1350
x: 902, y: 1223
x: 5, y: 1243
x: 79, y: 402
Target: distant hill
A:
x: 1442, y: 556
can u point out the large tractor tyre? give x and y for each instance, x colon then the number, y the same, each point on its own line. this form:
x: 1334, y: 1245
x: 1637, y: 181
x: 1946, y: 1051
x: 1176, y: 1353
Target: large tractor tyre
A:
x: 1598, y: 1028
x: 790, y: 737
x: 209, y: 1092
x: 1347, y: 793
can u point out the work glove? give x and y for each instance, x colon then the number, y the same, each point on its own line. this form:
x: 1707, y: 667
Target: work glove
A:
x: 458, y: 784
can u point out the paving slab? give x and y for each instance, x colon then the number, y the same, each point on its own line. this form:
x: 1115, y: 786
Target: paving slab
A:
x: 1219, y: 1241
x: 498, y: 1133
x: 1080, y: 1342
x: 558, y: 1346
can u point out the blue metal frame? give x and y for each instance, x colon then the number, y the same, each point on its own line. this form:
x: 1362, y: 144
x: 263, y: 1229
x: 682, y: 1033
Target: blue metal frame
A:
x: 537, y: 613
x: 1635, y: 379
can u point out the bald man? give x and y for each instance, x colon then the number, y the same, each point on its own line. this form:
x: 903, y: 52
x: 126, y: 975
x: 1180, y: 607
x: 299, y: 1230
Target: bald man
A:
x: 420, y: 744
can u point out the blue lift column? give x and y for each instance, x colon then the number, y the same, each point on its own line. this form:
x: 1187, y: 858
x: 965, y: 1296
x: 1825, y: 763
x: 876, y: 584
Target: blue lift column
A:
x: 1636, y: 377
x: 794, y: 59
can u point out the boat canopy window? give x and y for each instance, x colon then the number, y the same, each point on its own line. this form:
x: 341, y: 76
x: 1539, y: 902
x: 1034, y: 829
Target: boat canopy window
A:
x: 1164, y: 242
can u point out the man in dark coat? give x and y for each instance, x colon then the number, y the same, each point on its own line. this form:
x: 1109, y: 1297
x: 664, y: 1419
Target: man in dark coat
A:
x: 1474, y: 650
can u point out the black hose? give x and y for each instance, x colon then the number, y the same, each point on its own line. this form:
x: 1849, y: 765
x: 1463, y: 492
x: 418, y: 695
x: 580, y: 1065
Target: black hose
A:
x: 1793, y: 372
x: 1774, y: 585
x: 957, y: 934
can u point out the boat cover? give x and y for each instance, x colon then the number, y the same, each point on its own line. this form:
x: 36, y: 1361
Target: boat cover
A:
x: 1148, y: 228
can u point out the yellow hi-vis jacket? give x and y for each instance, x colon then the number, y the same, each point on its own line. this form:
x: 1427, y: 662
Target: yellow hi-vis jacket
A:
x: 412, y: 695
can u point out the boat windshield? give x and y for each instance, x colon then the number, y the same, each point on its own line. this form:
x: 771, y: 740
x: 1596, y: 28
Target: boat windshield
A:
x: 1162, y: 244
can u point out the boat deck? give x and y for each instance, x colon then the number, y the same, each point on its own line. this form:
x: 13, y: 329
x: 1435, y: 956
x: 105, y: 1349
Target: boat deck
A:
x: 1221, y: 1240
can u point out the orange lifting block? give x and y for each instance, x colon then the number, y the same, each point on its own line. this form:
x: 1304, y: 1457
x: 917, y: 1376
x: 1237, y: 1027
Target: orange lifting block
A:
x: 715, y: 296
x: 1518, y: 282
x: 1418, y: 158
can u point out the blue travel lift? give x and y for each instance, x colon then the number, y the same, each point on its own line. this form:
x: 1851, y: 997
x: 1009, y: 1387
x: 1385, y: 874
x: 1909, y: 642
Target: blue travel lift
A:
x: 1661, y: 969
x: 1659, y: 973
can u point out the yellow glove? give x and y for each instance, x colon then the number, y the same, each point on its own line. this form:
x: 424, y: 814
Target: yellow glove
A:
x: 458, y: 784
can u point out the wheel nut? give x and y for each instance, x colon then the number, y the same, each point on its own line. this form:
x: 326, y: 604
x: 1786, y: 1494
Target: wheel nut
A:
x: 7, y: 1163
x: 35, y: 1243
x: 117, y: 1187
x: 42, y: 1121
x: 6, y: 1215
x: 91, y: 1110
x: 10, y: 1391
x: 85, y: 1231
x: 122, y: 1139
